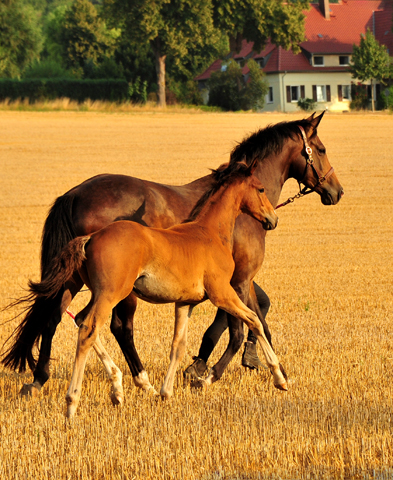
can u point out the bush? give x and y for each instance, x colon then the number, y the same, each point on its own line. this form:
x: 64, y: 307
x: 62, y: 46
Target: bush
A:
x: 47, y: 69
x: 137, y: 91
x: 359, y: 97
x: 79, y: 90
x: 229, y: 90
x: 306, y: 104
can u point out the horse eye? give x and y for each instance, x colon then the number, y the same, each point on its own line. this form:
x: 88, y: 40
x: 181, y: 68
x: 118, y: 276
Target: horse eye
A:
x: 261, y: 190
x: 322, y: 151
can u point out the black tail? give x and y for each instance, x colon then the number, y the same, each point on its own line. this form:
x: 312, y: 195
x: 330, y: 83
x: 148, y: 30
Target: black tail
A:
x: 58, y: 232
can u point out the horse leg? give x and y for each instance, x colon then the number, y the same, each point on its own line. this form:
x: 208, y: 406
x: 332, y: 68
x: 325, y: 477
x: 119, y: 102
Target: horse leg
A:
x: 259, y: 302
x: 122, y: 327
x: 113, y: 371
x: 41, y: 371
x: 96, y: 314
x: 179, y: 342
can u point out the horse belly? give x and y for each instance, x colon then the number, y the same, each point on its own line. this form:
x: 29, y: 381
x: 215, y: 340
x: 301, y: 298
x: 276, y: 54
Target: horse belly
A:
x: 168, y: 289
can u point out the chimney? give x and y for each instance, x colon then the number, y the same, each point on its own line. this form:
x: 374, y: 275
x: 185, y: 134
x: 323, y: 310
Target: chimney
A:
x: 325, y: 9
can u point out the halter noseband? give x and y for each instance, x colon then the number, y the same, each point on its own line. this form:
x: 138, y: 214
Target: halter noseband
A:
x: 309, y: 162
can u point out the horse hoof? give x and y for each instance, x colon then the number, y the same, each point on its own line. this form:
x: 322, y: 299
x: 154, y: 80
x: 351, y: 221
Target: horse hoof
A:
x: 200, y: 384
x: 29, y: 390
x: 116, y: 399
x: 282, y: 386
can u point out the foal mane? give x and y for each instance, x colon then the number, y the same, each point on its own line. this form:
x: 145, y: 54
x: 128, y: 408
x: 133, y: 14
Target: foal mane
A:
x: 267, y: 141
x: 225, y: 174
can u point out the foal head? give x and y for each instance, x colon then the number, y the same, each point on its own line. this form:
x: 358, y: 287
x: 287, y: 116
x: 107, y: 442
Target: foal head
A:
x: 255, y: 202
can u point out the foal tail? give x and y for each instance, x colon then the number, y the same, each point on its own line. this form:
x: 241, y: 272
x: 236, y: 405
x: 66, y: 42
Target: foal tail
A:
x: 43, y: 297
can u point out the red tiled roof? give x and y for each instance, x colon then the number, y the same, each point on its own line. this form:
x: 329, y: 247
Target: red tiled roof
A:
x: 383, y: 26
x: 337, y: 35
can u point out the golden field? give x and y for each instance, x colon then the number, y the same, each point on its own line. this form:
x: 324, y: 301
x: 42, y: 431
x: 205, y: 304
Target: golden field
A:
x: 328, y: 272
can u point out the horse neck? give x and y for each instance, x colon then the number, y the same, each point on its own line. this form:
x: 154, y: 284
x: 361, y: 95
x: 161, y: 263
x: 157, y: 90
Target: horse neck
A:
x: 221, y: 210
x: 273, y: 171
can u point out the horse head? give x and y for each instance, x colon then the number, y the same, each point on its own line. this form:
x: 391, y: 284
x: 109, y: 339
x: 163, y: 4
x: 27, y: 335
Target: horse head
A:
x: 311, y: 166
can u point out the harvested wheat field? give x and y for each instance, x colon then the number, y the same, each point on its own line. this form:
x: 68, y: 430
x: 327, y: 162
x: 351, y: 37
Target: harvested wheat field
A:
x: 328, y: 272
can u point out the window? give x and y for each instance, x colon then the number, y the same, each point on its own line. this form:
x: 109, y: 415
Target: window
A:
x: 344, y: 60
x: 269, y: 96
x: 321, y: 93
x: 319, y: 61
x: 344, y: 92
x: 294, y: 93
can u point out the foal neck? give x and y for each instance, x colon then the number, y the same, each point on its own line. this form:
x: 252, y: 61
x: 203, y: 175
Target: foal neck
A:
x: 221, y: 210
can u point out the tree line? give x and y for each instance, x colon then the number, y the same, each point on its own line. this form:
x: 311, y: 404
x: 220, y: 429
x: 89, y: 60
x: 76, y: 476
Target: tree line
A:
x: 157, y: 46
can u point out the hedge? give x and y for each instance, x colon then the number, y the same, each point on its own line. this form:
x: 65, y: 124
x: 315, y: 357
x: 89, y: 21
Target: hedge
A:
x: 49, y: 89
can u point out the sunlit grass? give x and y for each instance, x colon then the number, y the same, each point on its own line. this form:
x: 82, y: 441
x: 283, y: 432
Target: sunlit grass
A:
x: 327, y: 272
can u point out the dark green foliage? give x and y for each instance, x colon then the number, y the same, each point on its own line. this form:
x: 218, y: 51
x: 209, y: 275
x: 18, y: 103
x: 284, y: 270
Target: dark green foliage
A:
x: 359, y: 97
x: 78, y: 90
x: 230, y: 91
x: 306, y: 104
x: 83, y: 37
x: 20, y: 37
x: 137, y: 91
x: 47, y: 69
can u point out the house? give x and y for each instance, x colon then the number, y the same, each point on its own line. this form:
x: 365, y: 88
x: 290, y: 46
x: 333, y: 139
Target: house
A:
x: 321, y: 70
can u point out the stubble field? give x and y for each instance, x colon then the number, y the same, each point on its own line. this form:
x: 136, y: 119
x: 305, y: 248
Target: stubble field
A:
x: 328, y: 272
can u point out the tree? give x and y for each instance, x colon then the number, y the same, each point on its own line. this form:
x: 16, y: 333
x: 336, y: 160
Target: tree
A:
x: 258, y: 20
x: 83, y: 36
x: 370, y: 61
x: 230, y: 91
x: 20, y: 37
x: 171, y: 27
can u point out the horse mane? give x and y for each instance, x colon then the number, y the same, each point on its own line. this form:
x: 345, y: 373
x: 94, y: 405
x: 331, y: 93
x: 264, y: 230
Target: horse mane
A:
x: 259, y: 145
x: 225, y: 174
x: 267, y: 141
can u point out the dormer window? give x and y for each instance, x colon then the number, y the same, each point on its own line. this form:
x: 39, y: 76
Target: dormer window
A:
x: 344, y: 60
x: 318, y: 61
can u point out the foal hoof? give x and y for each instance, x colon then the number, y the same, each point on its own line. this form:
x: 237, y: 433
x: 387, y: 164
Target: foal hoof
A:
x: 116, y: 399
x: 282, y: 386
x: 29, y: 390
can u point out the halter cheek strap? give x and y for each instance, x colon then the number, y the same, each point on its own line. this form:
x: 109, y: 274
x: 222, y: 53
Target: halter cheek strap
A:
x: 309, y: 162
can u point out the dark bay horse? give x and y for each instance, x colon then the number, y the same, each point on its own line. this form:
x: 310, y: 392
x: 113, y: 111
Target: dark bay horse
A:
x: 184, y: 264
x: 281, y: 154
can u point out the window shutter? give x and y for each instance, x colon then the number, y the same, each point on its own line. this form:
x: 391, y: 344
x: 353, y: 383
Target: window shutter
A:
x: 328, y: 96
x: 288, y: 94
x: 314, y: 93
x: 340, y: 93
x: 302, y: 92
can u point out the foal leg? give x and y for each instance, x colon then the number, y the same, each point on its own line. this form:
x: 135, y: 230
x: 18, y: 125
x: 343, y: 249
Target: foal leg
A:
x: 57, y: 307
x: 113, y: 371
x: 230, y: 302
x: 122, y: 327
x: 87, y: 336
x: 179, y: 342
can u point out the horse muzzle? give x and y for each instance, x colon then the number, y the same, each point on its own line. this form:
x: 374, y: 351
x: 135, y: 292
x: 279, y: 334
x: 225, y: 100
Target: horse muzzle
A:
x: 270, y: 222
x: 331, y: 197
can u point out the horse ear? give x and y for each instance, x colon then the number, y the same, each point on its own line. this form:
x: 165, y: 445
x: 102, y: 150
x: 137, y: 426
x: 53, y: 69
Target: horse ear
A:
x: 314, y: 122
x: 253, y: 165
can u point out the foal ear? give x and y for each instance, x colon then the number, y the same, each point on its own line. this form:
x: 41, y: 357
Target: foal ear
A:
x: 253, y: 166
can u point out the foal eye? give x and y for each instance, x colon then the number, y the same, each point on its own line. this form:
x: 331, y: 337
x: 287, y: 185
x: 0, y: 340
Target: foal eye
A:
x: 322, y: 151
x: 261, y: 190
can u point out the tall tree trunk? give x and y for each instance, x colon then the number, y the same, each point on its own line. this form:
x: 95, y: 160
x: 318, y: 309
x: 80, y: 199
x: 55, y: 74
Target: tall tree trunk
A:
x: 372, y: 96
x: 160, y: 70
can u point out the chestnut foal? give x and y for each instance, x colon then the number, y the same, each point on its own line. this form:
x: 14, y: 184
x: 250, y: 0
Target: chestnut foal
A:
x: 184, y: 264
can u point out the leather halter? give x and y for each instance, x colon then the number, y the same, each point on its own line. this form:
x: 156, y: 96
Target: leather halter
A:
x: 309, y: 162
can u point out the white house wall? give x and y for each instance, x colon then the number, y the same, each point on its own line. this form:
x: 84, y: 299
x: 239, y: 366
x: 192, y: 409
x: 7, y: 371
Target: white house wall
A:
x: 280, y: 81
